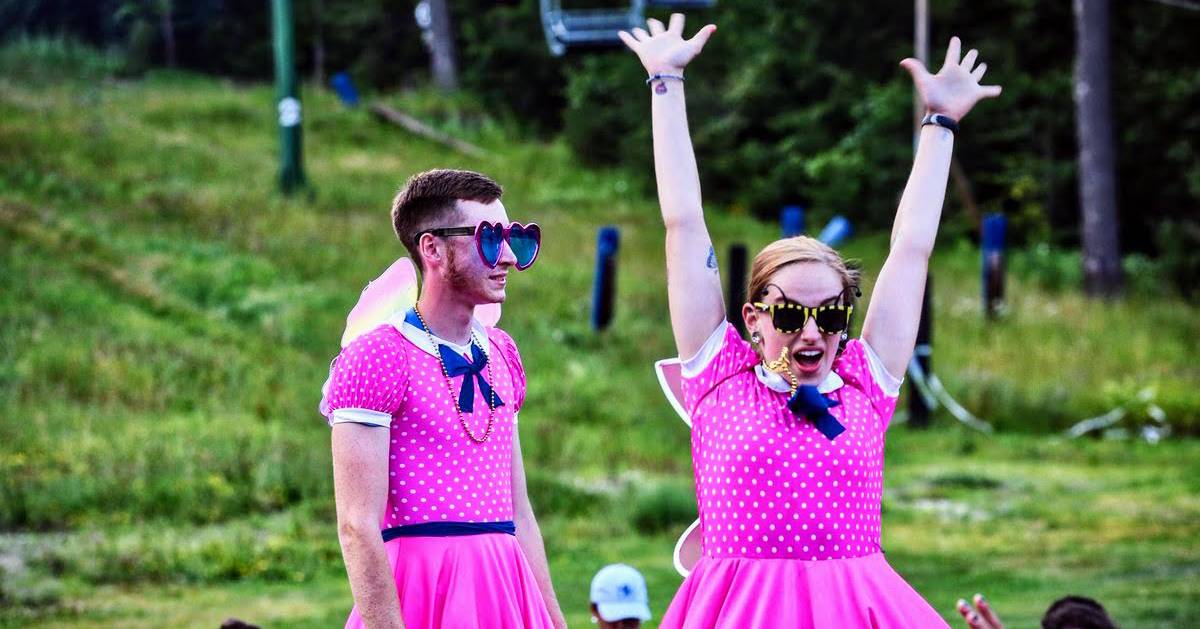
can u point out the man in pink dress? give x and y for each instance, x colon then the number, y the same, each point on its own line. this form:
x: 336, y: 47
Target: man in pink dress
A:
x: 433, y: 516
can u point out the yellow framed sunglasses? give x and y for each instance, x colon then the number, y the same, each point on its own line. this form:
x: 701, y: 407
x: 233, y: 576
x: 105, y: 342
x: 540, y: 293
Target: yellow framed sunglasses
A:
x: 790, y: 317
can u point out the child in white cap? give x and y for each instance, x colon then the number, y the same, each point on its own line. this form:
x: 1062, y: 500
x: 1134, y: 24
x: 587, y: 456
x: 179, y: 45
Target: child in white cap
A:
x: 619, y: 597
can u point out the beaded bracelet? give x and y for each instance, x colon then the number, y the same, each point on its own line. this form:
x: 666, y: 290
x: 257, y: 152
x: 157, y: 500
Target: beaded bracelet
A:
x: 655, y: 77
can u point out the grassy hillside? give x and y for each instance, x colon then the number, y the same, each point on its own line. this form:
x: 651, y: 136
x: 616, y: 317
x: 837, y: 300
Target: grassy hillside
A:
x: 167, y: 320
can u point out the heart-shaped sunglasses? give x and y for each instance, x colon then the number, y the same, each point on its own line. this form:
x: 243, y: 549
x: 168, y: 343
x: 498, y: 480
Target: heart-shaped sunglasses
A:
x: 524, y: 240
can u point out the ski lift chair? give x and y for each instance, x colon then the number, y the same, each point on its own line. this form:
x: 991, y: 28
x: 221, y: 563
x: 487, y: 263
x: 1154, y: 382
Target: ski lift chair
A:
x: 681, y: 5
x: 568, y: 29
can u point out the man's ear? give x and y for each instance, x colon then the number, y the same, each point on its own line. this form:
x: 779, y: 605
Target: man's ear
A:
x: 430, y: 249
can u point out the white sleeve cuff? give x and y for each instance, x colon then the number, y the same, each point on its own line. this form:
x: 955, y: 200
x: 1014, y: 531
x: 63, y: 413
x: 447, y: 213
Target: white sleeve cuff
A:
x: 692, y: 367
x: 361, y: 416
x: 886, y: 381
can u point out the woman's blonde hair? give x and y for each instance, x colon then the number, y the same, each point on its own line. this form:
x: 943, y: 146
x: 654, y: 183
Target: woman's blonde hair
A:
x: 794, y: 250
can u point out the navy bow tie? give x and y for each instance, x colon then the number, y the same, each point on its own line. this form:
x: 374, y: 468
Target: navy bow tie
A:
x: 457, y: 365
x: 808, y: 402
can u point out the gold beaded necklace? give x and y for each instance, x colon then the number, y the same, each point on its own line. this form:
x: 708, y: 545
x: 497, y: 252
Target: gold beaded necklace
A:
x: 450, y: 385
x: 781, y: 367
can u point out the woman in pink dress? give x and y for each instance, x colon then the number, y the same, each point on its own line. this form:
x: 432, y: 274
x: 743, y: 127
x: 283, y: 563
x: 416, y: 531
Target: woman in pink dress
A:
x: 788, y: 430
x: 434, y: 520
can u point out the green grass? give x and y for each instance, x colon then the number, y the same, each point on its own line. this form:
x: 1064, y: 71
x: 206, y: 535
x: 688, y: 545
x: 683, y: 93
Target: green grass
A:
x: 1117, y: 521
x: 167, y: 321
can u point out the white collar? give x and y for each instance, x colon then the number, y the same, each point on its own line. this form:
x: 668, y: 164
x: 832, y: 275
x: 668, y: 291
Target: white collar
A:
x: 776, y: 382
x: 420, y: 338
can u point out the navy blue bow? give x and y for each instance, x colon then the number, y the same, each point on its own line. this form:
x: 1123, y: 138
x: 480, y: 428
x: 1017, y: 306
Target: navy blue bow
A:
x: 808, y: 402
x: 456, y: 365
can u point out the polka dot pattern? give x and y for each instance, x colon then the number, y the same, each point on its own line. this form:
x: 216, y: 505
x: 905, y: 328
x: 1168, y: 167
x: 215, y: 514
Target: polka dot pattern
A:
x: 769, y: 484
x: 436, y: 473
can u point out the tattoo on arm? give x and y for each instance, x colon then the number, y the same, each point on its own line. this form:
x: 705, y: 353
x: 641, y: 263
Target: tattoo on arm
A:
x: 711, y: 262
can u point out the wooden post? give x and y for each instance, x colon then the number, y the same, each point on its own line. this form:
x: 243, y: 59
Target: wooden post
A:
x: 918, y: 411
x: 921, y: 52
x: 1102, y: 275
x: 737, y: 287
x: 443, y: 60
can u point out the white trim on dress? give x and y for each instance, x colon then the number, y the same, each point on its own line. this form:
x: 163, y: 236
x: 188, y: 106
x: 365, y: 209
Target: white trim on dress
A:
x: 364, y: 416
x: 886, y: 381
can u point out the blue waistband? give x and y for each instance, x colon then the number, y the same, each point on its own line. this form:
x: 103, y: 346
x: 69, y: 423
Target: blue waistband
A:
x: 449, y: 529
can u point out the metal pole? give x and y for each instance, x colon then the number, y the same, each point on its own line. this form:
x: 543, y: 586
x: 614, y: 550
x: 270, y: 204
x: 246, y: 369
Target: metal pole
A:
x: 291, y: 166
x: 918, y: 411
x: 921, y: 51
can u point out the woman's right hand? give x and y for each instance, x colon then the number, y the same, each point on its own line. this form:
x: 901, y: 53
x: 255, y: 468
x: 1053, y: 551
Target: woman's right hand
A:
x: 664, y: 50
x: 693, y: 280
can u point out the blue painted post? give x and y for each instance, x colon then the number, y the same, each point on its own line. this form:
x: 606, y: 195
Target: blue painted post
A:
x: 836, y: 231
x: 791, y: 220
x: 608, y: 241
x: 344, y: 86
x: 994, y: 228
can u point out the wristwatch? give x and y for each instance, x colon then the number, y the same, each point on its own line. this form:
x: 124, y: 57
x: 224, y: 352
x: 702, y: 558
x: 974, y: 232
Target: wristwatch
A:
x: 942, y: 121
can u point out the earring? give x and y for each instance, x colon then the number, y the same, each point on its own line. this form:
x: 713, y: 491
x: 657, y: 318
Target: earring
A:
x: 755, y: 337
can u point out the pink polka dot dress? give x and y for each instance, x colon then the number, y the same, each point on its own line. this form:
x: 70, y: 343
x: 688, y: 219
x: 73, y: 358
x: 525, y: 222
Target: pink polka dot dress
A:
x: 790, y: 519
x: 391, y: 377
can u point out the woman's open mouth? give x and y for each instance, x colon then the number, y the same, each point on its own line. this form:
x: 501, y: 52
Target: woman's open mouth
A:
x: 808, y: 360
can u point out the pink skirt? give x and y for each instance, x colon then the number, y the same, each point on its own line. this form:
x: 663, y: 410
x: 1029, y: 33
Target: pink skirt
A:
x: 842, y: 593
x: 475, y: 581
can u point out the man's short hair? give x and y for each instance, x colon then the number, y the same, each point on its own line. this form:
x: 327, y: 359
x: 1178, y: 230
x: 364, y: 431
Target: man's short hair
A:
x: 428, y: 199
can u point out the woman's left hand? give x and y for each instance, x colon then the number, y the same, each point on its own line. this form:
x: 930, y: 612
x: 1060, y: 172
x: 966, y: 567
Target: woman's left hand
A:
x: 955, y: 89
x: 982, y: 616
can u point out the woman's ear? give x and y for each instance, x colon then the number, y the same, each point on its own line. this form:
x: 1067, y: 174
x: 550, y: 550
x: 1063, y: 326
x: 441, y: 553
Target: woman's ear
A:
x: 750, y: 317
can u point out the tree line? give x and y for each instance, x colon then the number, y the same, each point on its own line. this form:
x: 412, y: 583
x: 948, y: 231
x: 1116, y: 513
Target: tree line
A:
x: 796, y: 102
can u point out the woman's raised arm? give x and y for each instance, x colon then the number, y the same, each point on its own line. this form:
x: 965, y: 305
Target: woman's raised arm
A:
x: 693, y: 281
x: 890, y: 327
